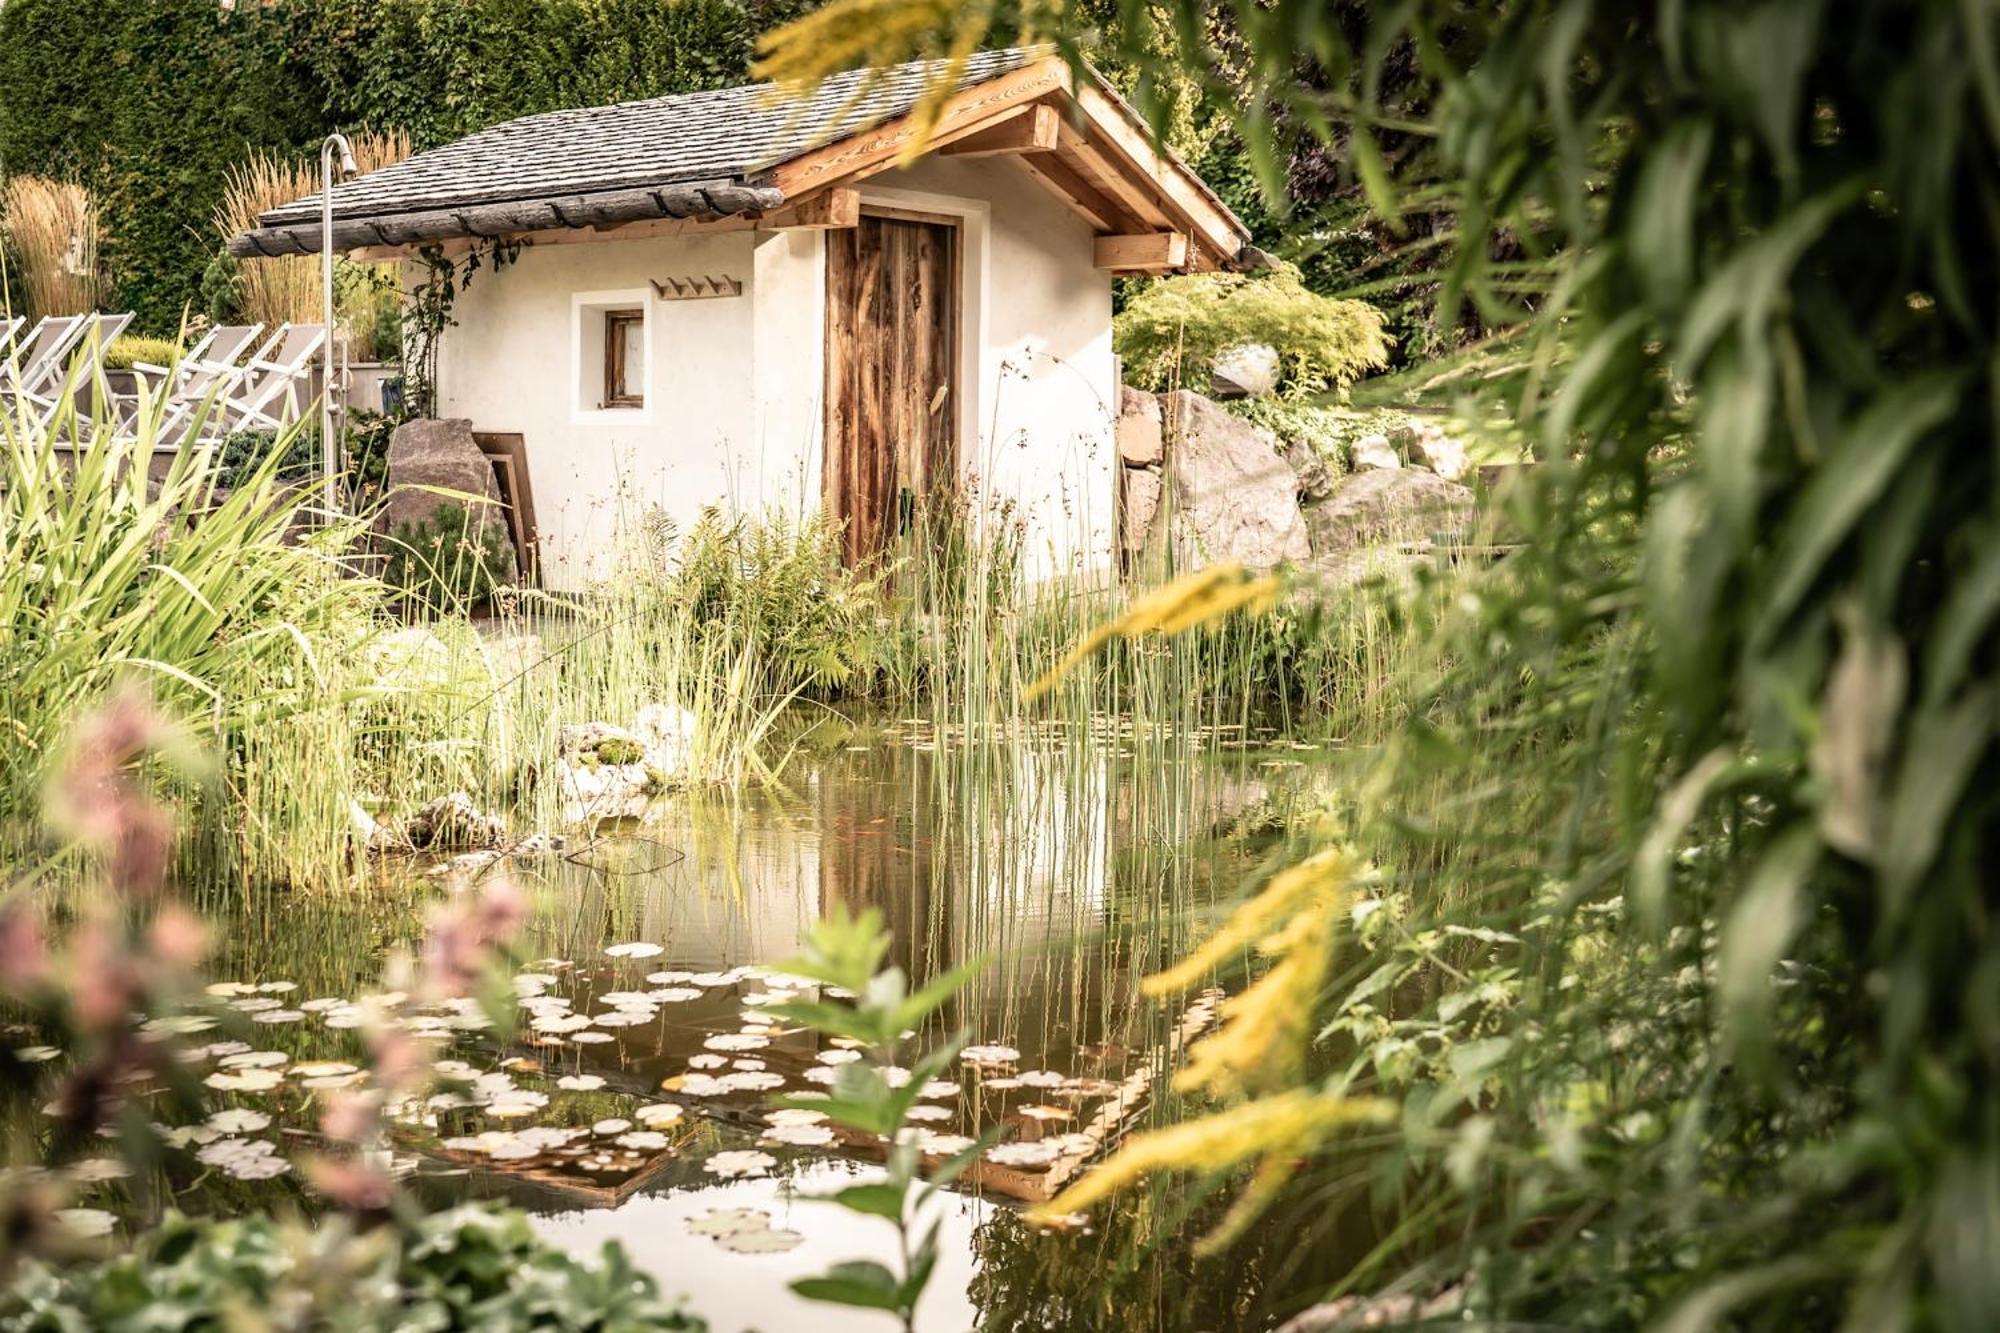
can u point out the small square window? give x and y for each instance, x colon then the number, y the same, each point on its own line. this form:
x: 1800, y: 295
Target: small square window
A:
x: 624, y: 358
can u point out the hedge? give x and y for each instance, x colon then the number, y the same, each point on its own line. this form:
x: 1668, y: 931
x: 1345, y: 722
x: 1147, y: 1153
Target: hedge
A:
x: 149, y: 103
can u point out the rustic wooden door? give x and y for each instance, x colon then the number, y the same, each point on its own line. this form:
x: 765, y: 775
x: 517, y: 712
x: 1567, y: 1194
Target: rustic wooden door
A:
x: 891, y: 361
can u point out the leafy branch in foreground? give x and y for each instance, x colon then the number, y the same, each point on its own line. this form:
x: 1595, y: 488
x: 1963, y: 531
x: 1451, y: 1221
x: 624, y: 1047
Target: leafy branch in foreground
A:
x: 873, y: 1009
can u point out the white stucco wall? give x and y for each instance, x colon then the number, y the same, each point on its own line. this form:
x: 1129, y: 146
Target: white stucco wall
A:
x: 514, y: 362
x: 735, y: 386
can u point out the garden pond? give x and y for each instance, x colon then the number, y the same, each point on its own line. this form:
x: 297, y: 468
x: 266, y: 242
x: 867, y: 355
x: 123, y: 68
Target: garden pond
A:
x: 632, y: 1097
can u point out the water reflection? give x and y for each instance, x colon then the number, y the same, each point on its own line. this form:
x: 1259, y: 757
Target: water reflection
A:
x: 1070, y: 857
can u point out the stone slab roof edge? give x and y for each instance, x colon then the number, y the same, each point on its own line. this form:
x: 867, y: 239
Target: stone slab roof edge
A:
x: 699, y: 155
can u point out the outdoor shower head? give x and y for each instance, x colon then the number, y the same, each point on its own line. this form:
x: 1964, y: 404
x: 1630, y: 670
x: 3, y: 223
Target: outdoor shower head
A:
x: 348, y: 167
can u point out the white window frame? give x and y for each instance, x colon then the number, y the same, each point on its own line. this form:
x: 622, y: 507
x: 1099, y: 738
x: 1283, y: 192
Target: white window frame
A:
x: 587, y: 392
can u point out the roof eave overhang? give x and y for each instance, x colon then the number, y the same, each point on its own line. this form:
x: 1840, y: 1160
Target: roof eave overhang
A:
x: 696, y: 201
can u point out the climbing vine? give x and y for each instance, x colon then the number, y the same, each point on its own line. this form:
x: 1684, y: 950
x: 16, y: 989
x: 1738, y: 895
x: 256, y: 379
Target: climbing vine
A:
x: 427, y: 312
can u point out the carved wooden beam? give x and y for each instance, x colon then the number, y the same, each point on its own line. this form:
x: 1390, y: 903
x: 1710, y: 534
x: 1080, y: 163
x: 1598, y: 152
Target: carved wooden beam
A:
x: 1032, y: 129
x: 1143, y: 252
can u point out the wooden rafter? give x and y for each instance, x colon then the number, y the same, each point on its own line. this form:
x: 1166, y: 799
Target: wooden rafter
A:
x: 1096, y: 208
x: 1143, y: 252
x: 1032, y: 129
x: 963, y: 114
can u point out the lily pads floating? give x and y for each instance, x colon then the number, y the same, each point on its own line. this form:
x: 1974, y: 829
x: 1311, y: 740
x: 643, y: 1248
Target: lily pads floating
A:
x: 988, y: 1056
x: 799, y: 1136
x: 34, y: 1055
x: 739, y: 1164
x: 657, y: 1114
x: 737, y: 1041
x: 636, y: 949
x: 247, y: 1059
x: 97, y: 1170
x: 841, y: 1056
x: 248, y: 1080
x: 244, y: 1159
x: 724, y: 1221
x: 580, y: 1082
x: 86, y: 1223
x: 238, y: 1120
x: 767, y: 1240
x: 1034, y: 1153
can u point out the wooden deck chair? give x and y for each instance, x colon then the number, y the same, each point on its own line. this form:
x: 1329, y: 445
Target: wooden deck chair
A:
x: 198, y: 379
x: 85, y: 368
x: 34, y: 365
x: 267, y: 395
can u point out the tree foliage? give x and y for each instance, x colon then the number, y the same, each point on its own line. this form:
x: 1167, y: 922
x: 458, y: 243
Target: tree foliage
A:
x: 150, y: 105
x: 1701, y: 934
x: 1181, y: 322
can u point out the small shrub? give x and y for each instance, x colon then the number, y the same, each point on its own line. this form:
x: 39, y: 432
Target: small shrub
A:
x: 126, y: 352
x: 1322, y: 344
x: 1328, y: 430
x: 444, y: 562
x: 243, y: 452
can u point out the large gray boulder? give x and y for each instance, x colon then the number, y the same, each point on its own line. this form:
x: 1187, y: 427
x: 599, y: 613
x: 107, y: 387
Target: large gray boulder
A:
x: 441, y: 453
x: 1141, y: 442
x: 1141, y: 503
x: 1234, y: 497
x: 1386, y: 506
x: 1247, y: 371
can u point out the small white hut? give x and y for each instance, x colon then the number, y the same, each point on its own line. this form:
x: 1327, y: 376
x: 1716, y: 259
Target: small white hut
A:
x: 722, y: 299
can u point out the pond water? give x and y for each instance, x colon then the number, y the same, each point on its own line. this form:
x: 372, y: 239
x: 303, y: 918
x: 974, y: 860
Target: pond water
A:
x: 632, y: 1100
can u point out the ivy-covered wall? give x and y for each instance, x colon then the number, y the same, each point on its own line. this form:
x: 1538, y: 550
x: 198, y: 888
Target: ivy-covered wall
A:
x: 150, y: 102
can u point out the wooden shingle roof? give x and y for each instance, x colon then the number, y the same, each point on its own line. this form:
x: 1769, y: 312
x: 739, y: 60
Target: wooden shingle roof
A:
x: 738, y: 153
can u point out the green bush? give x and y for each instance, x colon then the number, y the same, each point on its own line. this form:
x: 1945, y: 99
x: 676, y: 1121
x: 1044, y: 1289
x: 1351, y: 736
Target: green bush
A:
x: 1178, y: 325
x: 179, y: 91
x: 468, y: 1268
x: 444, y: 562
x: 780, y: 589
x: 124, y: 353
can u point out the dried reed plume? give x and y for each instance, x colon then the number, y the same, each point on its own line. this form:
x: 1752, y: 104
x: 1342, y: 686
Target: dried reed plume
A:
x: 52, y: 231
x: 279, y: 291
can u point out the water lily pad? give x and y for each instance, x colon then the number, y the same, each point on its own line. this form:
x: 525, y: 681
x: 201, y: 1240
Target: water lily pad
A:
x: 724, y: 1221
x: 96, y: 1170
x: 580, y: 1082
x: 739, y: 1164
x: 766, y: 1241
x: 799, y: 1136
x: 254, y: 1059
x: 34, y: 1055
x: 642, y: 1140
x: 839, y: 1056
x: 248, y: 1080
x: 87, y: 1223
x: 1024, y: 1154
x: 637, y: 949
x: 238, y: 1120
x: 737, y: 1041
x: 607, y: 1128
x: 989, y: 1056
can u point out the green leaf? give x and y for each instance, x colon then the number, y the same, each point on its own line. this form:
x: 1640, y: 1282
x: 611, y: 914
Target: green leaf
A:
x: 876, y: 1199
x: 1373, y: 171
x: 1663, y: 211
x: 857, y: 1282
x: 1945, y: 744
x: 1757, y: 930
x: 1840, y: 490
